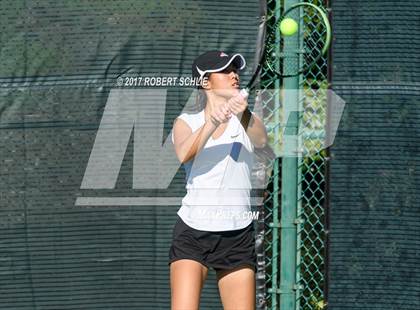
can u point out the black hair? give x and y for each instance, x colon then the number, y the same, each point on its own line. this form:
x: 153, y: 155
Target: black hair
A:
x: 201, y: 99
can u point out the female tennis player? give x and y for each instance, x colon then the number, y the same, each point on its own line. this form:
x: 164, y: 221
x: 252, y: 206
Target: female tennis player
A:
x: 215, y: 227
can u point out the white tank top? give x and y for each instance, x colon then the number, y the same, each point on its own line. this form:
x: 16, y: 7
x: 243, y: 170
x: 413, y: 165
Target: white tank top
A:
x: 218, y: 179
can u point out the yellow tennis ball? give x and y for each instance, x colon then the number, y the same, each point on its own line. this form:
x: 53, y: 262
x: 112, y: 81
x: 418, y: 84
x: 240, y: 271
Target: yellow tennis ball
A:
x: 288, y: 26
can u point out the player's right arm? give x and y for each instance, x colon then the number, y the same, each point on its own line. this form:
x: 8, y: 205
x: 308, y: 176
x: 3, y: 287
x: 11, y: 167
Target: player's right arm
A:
x: 187, y: 143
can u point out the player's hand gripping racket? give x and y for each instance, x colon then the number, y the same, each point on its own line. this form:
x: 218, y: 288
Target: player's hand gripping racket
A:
x: 314, y: 37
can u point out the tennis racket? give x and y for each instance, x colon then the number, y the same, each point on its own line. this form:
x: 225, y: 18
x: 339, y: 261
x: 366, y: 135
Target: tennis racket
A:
x: 314, y: 39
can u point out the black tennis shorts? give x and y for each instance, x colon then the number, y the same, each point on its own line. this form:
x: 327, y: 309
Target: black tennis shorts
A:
x: 220, y: 250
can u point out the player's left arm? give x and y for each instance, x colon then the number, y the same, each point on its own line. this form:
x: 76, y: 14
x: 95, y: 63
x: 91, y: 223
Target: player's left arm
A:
x: 250, y: 121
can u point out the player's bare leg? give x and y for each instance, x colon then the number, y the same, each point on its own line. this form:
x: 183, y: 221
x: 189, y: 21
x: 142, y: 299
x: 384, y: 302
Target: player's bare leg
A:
x: 187, y: 280
x: 237, y: 288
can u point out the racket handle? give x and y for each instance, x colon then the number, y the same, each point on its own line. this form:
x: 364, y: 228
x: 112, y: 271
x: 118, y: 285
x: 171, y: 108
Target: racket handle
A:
x: 244, y: 93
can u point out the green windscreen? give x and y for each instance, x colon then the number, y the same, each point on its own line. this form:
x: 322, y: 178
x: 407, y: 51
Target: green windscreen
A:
x: 75, y: 238
x: 374, y: 188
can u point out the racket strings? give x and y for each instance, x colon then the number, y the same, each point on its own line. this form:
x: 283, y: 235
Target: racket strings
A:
x: 286, y: 57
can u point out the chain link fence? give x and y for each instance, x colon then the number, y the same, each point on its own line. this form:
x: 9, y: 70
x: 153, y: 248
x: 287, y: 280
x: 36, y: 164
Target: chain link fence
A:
x: 311, y: 169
